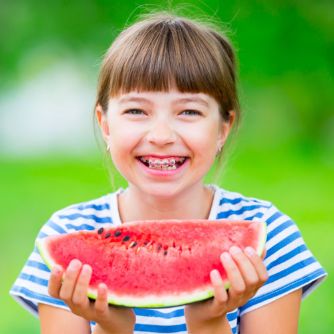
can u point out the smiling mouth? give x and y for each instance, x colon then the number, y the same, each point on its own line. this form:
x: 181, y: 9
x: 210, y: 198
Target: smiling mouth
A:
x: 170, y: 163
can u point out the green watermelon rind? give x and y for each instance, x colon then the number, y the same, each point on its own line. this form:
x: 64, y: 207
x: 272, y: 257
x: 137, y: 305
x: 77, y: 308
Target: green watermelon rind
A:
x: 262, y: 239
x: 152, y: 301
x: 40, y: 243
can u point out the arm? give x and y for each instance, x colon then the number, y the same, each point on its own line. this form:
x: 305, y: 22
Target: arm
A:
x: 280, y: 316
x: 54, y: 320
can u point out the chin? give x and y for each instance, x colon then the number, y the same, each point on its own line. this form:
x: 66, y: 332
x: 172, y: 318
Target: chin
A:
x: 161, y: 190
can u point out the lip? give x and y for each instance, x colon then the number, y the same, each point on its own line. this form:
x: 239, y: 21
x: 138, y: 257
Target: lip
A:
x: 158, y: 156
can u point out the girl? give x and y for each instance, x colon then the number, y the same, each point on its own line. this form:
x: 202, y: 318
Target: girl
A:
x: 166, y: 104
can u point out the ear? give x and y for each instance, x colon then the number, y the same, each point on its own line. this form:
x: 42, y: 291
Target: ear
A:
x: 225, y: 129
x: 102, y: 119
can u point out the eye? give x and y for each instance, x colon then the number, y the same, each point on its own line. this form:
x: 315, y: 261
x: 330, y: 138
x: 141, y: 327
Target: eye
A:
x: 191, y: 112
x: 134, y: 112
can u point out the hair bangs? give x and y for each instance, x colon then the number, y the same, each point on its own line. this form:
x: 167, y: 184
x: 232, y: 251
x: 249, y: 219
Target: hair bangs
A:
x: 163, y: 57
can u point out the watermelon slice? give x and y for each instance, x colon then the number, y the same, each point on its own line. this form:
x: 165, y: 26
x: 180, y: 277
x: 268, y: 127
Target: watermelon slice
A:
x: 154, y: 263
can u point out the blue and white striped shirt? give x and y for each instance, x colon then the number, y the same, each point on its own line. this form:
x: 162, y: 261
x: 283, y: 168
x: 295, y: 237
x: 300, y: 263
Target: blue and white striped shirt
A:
x: 289, y: 262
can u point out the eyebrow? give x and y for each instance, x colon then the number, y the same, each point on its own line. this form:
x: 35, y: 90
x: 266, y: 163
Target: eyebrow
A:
x: 199, y: 100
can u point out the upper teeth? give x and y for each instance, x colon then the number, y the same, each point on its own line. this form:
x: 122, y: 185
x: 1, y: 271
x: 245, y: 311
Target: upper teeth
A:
x: 161, y: 163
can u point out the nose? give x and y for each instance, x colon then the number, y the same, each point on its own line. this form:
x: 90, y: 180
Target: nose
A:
x: 161, y: 133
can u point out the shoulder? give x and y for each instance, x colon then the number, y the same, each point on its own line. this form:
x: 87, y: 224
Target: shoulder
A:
x: 234, y: 205
x: 88, y: 215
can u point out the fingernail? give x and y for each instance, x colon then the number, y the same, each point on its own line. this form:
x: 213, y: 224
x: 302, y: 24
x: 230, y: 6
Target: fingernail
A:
x: 250, y: 251
x: 74, y: 264
x: 102, y: 288
x: 57, y: 269
x: 86, y: 269
x: 235, y: 250
x: 215, y: 276
x: 226, y: 256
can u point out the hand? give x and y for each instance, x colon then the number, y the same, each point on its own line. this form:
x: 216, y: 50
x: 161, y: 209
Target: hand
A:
x: 71, y: 287
x: 245, y: 272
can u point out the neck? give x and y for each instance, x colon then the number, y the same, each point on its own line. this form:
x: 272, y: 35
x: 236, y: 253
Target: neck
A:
x: 195, y: 203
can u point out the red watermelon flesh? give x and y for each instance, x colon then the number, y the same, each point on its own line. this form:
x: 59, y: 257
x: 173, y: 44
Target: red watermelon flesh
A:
x: 154, y: 263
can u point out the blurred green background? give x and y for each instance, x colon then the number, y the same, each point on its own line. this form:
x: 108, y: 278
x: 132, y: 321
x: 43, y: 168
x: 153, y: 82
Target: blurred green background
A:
x: 49, y: 158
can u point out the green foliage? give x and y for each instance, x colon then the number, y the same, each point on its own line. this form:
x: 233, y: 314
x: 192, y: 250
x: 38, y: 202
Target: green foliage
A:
x: 285, y: 51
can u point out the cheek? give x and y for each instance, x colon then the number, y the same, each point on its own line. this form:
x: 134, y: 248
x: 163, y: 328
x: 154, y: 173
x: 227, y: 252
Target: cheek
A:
x: 202, y: 140
x: 124, y: 146
x: 121, y: 147
x: 123, y: 139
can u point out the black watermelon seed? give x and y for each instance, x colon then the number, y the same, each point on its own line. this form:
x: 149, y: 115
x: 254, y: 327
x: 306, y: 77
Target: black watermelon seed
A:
x: 100, y: 230
x: 107, y: 235
x: 126, y: 238
x: 165, y: 252
x: 146, y: 242
x: 117, y: 233
x: 159, y: 247
x: 133, y: 244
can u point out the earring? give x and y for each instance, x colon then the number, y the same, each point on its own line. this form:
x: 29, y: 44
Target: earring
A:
x: 219, y: 150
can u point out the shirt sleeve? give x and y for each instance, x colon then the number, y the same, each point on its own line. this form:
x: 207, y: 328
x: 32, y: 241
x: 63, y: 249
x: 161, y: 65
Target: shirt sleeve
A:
x: 290, y: 264
x: 31, y: 286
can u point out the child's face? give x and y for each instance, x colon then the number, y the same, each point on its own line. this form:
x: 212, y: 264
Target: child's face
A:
x: 163, y: 143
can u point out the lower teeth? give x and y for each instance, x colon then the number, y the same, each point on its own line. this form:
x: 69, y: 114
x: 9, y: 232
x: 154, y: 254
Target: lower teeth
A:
x: 160, y: 167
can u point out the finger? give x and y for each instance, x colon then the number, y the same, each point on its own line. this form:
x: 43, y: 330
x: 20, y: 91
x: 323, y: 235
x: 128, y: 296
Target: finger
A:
x: 80, y: 292
x: 220, y: 294
x: 245, y: 266
x: 70, y: 278
x: 257, y: 263
x: 55, y: 281
x: 233, y: 274
x: 101, y: 303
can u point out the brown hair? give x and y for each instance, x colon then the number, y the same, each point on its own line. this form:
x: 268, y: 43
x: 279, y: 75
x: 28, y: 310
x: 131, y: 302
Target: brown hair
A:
x: 164, y: 50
